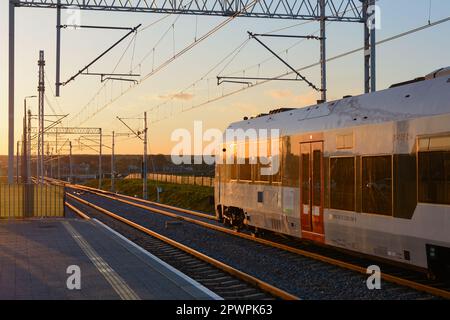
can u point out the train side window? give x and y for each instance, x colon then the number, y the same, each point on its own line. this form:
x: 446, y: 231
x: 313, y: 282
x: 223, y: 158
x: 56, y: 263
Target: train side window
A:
x: 434, y: 177
x: 231, y: 162
x: 342, y: 183
x: 233, y: 171
x: 291, y: 163
x: 434, y: 170
x: 263, y: 154
x: 377, y: 185
x: 276, y: 161
x: 405, y: 185
x: 245, y: 167
x: 438, y: 143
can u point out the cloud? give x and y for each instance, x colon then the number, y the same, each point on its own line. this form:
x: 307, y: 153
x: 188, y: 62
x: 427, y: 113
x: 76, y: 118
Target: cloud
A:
x: 182, y: 96
x: 245, y: 107
x: 288, y: 97
x: 280, y: 94
x: 177, y: 96
x: 306, y: 99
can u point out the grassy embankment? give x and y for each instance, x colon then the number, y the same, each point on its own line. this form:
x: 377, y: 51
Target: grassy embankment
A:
x: 179, y: 195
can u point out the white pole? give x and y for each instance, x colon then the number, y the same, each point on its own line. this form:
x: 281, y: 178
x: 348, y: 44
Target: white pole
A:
x: 144, y: 189
x: 41, y: 90
x: 100, y: 162
x: 70, y: 163
x: 58, y: 48
x: 113, y: 166
x: 323, y: 57
x: 29, y: 147
x: 11, y: 94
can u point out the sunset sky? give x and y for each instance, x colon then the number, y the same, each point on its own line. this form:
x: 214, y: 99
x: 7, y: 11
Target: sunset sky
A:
x: 397, y: 61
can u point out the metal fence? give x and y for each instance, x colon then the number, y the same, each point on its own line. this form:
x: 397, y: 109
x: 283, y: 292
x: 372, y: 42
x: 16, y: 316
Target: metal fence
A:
x: 171, y: 178
x: 30, y: 200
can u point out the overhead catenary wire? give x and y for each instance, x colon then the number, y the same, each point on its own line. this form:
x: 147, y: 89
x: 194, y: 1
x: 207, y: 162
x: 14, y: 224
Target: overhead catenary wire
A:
x: 243, y: 71
x: 96, y: 59
x: 53, y: 93
x: 151, y: 52
x: 105, y: 83
x: 154, y: 22
x: 234, y: 53
x: 175, y: 57
x: 47, y: 100
x: 133, y: 53
x: 193, y: 44
x: 103, y: 86
x: 392, y: 38
x: 290, y: 27
x: 271, y: 57
x: 89, y: 116
x: 85, y: 108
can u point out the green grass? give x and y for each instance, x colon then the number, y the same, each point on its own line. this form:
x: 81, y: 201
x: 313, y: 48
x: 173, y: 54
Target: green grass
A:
x: 179, y: 195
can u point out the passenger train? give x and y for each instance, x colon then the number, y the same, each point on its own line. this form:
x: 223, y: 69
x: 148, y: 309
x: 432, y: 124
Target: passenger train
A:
x: 368, y: 173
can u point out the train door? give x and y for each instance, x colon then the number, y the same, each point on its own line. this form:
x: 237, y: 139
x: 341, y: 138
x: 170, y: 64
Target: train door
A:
x: 312, y: 190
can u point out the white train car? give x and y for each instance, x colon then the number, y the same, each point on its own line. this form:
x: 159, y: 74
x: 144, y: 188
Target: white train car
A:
x: 369, y: 173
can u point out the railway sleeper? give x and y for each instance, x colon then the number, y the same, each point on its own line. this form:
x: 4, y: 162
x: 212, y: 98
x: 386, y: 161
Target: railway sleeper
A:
x: 215, y: 276
x: 224, y: 283
x: 241, y: 292
x: 222, y: 278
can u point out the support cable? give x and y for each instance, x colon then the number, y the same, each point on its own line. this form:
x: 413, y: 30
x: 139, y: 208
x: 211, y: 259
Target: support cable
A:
x: 104, y: 84
x: 53, y: 93
x: 101, y: 56
x: 133, y: 53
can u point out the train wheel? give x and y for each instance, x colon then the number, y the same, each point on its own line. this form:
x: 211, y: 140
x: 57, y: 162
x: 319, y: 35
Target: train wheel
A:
x: 431, y: 276
x: 255, y: 233
x: 226, y: 223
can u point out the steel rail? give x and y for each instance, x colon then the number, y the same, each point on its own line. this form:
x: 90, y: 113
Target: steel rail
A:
x: 162, y: 205
x: 220, y: 265
x: 77, y: 211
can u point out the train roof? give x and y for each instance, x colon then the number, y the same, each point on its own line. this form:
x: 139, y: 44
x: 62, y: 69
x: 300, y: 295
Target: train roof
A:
x: 425, y: 97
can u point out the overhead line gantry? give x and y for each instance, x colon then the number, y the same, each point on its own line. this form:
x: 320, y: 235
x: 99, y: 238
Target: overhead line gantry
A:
x: 338, y: 10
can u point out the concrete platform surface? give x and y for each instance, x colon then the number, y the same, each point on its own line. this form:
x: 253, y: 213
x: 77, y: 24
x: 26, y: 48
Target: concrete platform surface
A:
x: 51, y: 259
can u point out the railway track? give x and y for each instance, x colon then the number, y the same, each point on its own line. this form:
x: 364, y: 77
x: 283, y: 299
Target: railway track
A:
x: 291, y: 247
x: 410, y: 278
x: 358, y: 263
x: 224, y: 280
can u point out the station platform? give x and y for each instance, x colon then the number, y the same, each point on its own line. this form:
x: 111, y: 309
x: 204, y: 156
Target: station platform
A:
x: 40, y: 260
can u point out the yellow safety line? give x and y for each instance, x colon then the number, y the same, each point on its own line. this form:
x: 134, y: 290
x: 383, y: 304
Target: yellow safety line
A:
x: 117, y: 283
